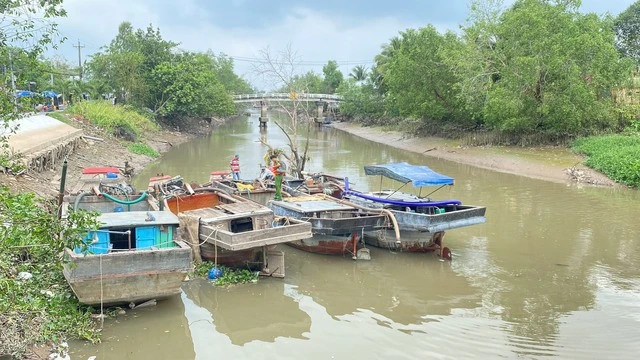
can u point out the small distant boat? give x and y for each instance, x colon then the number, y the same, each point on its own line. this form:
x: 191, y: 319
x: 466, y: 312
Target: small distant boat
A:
x: 422, y: 221
x: 230, y: 230
x: 132, y: 257
x: 337, y: 226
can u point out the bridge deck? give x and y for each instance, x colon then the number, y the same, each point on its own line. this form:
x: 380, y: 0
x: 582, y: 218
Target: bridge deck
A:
x: 286, y: 97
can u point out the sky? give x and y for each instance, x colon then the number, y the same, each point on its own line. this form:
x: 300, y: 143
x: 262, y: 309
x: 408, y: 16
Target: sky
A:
x: 348, y: 31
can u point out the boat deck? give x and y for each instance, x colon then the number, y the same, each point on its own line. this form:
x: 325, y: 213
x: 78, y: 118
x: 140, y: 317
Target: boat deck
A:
x: 311, y: 204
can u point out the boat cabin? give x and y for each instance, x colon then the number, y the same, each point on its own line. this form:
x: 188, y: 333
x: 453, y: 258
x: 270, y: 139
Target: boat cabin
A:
x: 131, y: 231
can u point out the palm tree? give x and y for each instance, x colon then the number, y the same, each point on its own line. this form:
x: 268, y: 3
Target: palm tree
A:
x: 359, y: 73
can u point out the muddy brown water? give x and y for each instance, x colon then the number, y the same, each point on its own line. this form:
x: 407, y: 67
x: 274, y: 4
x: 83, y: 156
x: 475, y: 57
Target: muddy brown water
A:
x: 555, y: 272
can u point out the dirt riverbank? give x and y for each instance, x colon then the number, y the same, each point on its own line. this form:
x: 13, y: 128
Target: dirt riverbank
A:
x: 111, y: 151
x: 555, y: 164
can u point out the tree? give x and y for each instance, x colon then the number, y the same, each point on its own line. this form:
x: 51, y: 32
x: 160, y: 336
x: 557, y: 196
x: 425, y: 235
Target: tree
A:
x: 626, y: 27
x: 20, y: 29
x: 553, y: 69
x: 280, y: 70
x: 190, y: 88
x: 419, y: 85
x: 309, y: 82
x: 125, y: 66
x: 332, y: 76
x: 360, y: 101
x: 359, y: 73
x: 223, y: 69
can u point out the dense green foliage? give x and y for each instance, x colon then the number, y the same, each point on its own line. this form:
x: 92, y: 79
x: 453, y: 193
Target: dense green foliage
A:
x: 626, y: 28
x: 332, y: 77
x: 616, y: 156
x: 229, y: 276
x: 538, y: 67
x: 42, y: 307
x: 141, y: 68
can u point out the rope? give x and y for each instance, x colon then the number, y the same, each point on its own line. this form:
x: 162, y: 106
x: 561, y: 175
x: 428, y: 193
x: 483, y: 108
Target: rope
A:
x: 101, y: 297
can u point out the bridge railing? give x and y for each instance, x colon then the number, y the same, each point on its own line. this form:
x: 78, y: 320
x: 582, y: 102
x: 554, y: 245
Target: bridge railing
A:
x: 288, y: 96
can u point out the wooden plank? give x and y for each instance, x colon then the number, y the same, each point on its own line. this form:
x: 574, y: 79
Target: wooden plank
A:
x: 255, y: 238
x: 129, y: 262
x: 243, y: 207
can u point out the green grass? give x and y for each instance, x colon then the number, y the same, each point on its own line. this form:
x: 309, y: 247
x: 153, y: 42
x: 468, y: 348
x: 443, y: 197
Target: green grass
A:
x: 617, y: 156
x: 114, y: 118
x: 143, y: 149
x: 60, y: 116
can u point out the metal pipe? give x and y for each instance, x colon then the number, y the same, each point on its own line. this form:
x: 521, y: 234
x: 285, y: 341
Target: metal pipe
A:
x: 386, y: 211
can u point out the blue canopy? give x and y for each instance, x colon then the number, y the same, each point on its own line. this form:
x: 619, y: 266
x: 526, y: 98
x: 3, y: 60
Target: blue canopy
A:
x: 24, y: 93
x: 49, y: 93
x: 417, y: 175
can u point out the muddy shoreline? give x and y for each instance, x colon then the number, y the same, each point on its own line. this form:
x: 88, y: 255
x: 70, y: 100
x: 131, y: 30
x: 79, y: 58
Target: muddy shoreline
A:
x: 111, y: 151
x: 556, y: 164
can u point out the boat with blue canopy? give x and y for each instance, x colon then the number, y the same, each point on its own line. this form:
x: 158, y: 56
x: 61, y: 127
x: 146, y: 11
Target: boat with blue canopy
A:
x: 421, y: 220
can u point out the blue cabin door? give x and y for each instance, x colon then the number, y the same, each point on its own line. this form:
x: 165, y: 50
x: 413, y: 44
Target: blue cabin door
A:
x: 145, y: 237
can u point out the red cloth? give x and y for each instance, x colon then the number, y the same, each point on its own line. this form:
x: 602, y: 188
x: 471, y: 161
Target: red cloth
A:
x: 100, y: 170
x: 235, y: 165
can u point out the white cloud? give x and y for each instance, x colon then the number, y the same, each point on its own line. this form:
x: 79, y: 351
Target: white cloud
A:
x: 314, y: 35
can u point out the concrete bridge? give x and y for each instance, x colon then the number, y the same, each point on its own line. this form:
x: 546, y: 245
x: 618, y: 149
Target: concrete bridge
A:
x: 330, y: 98
x: 265, y: 98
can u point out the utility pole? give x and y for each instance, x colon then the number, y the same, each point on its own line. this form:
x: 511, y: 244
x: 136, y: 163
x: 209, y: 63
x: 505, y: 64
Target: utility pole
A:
x: 79, y: 57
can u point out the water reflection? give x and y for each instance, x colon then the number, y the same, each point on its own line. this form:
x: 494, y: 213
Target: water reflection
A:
x: 554, y: 271
x: 263, y: 311
x: 401, y: 287
x: 143, y: 334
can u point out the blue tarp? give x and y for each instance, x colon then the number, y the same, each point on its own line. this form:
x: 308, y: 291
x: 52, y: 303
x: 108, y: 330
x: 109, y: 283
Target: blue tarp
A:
x: 417, y: 175
x: 24, y: 93
x: 49, y: 93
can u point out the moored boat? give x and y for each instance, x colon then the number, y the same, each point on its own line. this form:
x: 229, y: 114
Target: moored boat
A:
x: 337, y: 227
x: 132, y: 257
x: 422, y: 221
x: 230, y: 230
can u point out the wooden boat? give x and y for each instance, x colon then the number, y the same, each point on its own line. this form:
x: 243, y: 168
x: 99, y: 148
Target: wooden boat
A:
x: 262, y: 190
x: 421, y: 220
x: 337, y: 227
x: 230, y: 230
x: 132, y: 257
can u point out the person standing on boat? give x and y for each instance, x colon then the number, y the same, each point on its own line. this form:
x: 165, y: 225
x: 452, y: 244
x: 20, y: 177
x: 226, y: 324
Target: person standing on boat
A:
x: 279, y: 169
x: 235, y: 167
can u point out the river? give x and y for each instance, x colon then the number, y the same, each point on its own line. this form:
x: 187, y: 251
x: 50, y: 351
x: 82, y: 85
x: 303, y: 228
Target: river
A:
x: 554, y: 272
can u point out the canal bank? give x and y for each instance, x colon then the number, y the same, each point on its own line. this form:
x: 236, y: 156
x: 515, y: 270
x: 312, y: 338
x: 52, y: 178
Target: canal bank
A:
x: 556, y: 164
x: 100, y: 148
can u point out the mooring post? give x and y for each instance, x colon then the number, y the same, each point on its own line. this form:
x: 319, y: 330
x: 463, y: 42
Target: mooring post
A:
x: 263, y: 113
x: 319, y: 112
x: 63, y: 180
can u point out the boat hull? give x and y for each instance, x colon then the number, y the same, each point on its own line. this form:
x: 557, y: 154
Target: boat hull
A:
x: 128, y: 276
x: 329, y: 244
x: 248, y: 258
x: 411, y: 241
x: 461, y: 216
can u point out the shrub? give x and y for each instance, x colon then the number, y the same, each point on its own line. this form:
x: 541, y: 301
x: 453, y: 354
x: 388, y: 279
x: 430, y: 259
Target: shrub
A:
x: 616, y: 156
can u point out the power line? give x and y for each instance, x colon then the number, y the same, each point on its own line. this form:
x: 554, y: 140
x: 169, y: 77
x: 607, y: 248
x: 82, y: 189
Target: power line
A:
x: 300, y: 62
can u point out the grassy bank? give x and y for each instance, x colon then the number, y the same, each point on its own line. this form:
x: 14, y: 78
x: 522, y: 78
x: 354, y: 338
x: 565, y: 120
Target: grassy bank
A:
x: 36, y: 304
x: 121, y: 120
x: 617, y: 156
